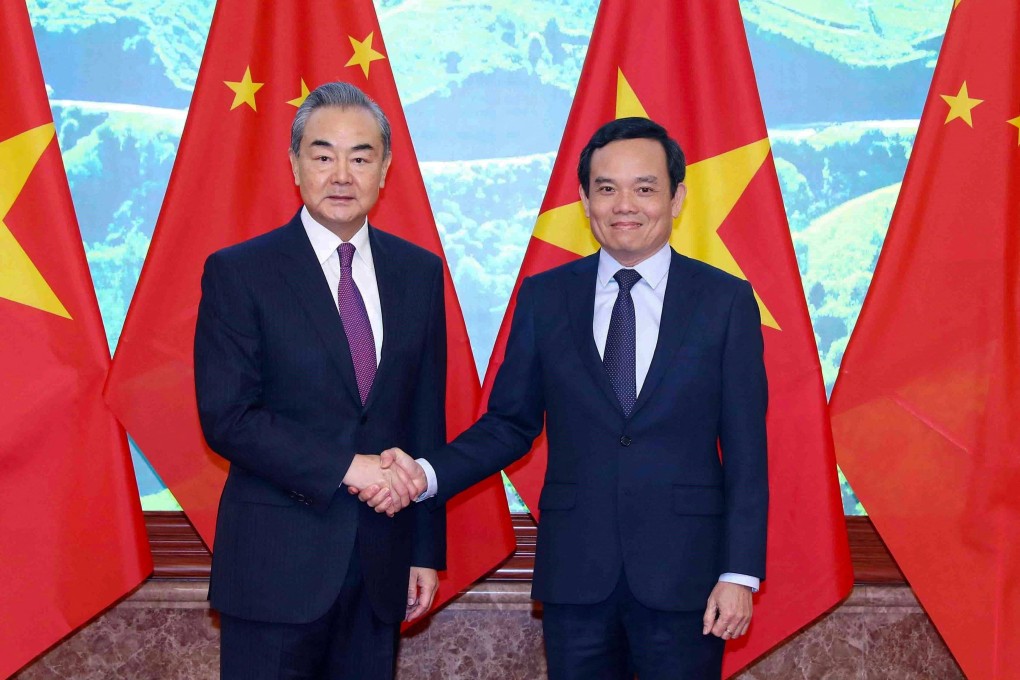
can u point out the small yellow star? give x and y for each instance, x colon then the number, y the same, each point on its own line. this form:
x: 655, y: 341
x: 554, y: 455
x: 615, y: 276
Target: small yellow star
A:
x: 364, y: 55
x: 1015, y: 122
x: 961, y: 105
x: 304, y: 94
x: 244, y: 91
x: 956, y: 3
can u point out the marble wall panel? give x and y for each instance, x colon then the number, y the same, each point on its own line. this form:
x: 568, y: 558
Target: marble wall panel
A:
x: 165, y: 631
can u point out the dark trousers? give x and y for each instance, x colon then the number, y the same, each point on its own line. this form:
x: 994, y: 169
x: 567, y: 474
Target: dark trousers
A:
x: 347, y: 643
x: 616, y: 638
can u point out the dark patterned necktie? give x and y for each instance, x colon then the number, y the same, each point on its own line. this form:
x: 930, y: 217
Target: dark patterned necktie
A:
x: 619, y: 357
x: 356, y: 325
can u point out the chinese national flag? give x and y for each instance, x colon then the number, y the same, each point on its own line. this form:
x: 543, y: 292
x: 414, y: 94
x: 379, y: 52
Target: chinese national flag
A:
x: 686, y: 65
x: 72, y: 539
x: 231, y: 181
x: 926, y: 409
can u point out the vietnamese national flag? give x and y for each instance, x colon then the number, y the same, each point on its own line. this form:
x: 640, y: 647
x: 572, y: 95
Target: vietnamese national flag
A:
x: 686, y: 65
x: 926, y: 408
x: 72, y: 538
x: 232, y: 181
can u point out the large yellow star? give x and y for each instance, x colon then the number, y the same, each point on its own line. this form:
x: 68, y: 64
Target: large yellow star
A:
x: 713, y: 187
x: 961, y: 105
x: 1015, y: 122
x: 364, y: 55
x: 301, y: 99
x: 20, y: 280
x: 244, y: 90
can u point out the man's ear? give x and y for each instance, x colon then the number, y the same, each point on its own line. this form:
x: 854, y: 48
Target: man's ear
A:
x: 294, y: 166
x: 385, y: 168
x: 677, y: 201
x: 584, y: 200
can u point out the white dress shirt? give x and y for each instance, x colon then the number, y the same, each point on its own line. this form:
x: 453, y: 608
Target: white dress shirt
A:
x: 325, y: 244
x: 647, y: 294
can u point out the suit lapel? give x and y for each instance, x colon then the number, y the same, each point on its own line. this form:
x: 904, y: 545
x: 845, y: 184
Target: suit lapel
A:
x: 581, y: 302
x: 302, y: 271
x: 682, y: 297
x: 391, y: 299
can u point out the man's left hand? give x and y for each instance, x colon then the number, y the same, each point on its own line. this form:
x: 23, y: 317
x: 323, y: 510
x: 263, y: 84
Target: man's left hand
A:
x: 421, y: 589
x: 728, y: 613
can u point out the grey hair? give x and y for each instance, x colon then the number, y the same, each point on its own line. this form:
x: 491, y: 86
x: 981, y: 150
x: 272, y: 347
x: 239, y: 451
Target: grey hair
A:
x: 341, y: 95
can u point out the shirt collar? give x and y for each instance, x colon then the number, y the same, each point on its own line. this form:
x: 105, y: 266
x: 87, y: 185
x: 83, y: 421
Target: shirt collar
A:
x: 653, y: 270
x: 324, y: 242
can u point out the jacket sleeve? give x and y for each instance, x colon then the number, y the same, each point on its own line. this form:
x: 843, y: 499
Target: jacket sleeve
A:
x: 228, y: 385
x: 742, y: 438
x: 429, y: 427
x: 515, y: 414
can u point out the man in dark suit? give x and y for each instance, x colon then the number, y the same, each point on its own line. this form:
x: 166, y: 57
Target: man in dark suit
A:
x: 643, y: 365
x: 295, y: 379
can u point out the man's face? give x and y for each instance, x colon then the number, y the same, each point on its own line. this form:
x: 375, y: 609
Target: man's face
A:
x: 340, y: 167
x: 628, y: 201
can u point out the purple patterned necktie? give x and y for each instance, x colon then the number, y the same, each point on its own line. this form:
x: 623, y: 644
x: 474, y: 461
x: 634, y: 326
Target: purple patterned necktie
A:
x: 620, y: 355
x: 356, y: 325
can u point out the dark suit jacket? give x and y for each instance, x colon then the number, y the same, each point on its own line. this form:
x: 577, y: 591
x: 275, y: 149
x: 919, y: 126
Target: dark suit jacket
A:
x: 648, y: 493
x: 277, y: 397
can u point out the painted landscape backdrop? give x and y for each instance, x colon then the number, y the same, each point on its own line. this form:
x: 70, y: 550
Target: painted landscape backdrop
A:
x: 486, y: 88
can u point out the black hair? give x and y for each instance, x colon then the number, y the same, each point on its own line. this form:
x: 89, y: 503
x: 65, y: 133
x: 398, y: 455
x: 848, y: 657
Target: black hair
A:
x: 633, y: 128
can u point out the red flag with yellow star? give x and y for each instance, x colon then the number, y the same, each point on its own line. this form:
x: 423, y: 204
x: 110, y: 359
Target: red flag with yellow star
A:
x: 926, y: 408
x: 71, y: 532
x: 686, y: 65
x: 231, y: 181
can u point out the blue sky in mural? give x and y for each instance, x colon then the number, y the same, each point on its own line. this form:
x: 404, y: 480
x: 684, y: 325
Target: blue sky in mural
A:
x: 486, y: 90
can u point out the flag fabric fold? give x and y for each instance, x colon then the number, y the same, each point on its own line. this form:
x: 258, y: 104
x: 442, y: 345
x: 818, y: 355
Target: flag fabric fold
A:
x: 926, y: 407
x: 231, y: 181
x: 71, y: 529
x: 686, y: 65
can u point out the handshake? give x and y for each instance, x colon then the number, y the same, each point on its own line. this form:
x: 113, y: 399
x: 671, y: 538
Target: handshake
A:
x: 388, y: 482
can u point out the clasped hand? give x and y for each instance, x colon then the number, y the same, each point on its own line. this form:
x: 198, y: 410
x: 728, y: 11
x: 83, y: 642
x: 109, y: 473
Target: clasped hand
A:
x: 388, y: 482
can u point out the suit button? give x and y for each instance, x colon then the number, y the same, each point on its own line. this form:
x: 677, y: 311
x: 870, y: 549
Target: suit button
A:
x: 625, y: 440
x: 364, y: 419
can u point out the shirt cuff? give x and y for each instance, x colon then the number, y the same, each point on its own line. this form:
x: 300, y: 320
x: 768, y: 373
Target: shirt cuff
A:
x: 751, y: 582
x: 430, y: 475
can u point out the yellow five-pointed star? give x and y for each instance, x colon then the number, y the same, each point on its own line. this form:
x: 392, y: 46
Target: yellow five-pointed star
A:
x: 304, y: 95
x: 1015, y: 122
x: 713, y: 187
x: 956, y: 3
x: 364, y: 55
x: 961, y: 105
x: 20, y: 280
x: 244, y: 91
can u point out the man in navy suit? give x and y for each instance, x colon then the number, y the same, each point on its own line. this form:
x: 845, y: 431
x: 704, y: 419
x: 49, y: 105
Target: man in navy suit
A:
x: 646, y: 369
x: 316, y: 342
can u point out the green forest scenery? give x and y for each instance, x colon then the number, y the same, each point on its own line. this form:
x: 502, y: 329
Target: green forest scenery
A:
x: 486, y: 89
